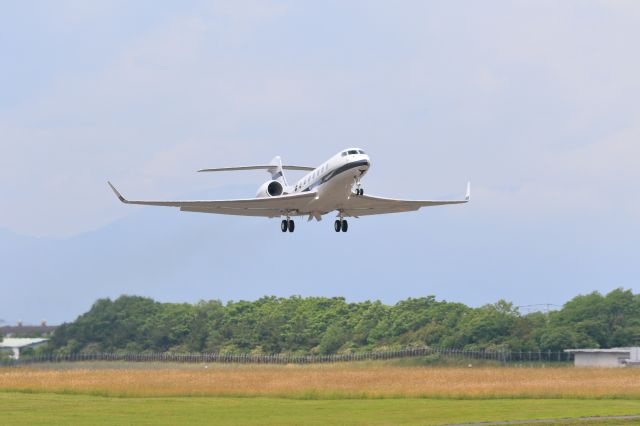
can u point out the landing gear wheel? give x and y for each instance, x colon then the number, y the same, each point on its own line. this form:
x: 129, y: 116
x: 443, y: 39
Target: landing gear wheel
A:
x: 337, y: 226
x: 361, y: 191
x: 345, y: 226
x: 292, y: 225
x: 284, y: 225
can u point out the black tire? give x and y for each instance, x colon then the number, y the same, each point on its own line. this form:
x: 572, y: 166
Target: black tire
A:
x: 284, y: 225
x: 337, y: 226
x: 345, y: 226
x: 292, y: 226
x: 362, y: 191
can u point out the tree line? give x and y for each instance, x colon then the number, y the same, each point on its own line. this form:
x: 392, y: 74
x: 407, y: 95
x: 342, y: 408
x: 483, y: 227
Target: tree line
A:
x: 320, y: 325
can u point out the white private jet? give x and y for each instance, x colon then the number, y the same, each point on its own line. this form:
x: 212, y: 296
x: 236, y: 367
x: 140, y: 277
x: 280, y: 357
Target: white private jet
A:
x: 325, y: 189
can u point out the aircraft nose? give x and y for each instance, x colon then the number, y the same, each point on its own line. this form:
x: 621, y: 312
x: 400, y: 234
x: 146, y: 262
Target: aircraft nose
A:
x: 364, y: 163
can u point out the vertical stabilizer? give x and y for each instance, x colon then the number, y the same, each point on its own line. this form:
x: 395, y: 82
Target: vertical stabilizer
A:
x: 276, y: 171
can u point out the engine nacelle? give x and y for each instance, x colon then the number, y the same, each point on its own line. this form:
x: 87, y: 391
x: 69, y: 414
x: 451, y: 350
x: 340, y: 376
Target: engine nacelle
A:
x: 271, y: 188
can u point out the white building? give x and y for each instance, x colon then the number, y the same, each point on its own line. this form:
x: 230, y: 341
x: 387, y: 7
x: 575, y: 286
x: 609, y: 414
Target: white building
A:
x: 16, y: 344
x: 615, y: 357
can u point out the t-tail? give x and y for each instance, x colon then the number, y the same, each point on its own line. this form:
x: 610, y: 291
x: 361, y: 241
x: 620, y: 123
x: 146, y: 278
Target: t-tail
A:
x: 276, y: 171
x: 277, y: 185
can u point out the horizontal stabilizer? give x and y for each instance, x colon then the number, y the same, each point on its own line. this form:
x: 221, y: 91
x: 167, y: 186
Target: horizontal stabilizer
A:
x: 258, y: 167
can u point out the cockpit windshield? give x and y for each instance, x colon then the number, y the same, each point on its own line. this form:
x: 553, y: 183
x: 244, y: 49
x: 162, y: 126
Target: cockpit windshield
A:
x: 353, y: 151
x: 361, y: 151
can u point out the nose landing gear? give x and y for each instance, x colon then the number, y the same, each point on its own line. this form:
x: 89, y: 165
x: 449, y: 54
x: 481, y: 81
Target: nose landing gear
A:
x: 359, y: 188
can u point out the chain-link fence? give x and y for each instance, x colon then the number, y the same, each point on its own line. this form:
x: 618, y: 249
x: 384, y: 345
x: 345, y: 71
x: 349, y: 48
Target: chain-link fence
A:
x: 434, y: 355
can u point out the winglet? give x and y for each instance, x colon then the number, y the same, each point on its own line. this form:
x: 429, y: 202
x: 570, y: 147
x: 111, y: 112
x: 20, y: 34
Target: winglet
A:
x: 467, y: 197
x: 119, y: 195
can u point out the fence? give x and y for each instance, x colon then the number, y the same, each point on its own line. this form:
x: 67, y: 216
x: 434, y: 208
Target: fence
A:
x: 499, y: 356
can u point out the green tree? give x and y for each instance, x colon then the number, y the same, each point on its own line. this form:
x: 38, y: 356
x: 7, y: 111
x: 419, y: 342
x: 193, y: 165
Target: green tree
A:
x: 327, y: 325
x: 332, y: 340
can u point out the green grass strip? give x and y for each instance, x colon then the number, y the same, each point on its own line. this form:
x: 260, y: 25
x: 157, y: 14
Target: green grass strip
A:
x: 56, y: 409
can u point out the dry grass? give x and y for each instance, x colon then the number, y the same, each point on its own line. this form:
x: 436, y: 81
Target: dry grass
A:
x: 327, y: 381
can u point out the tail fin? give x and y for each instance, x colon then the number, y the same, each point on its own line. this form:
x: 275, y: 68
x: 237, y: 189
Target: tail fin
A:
x: 276, y: 171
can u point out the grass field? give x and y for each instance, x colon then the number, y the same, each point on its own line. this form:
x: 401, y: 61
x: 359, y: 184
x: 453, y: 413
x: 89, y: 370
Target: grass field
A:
x: 51, y: 409
x: 366, y: 393
x: 348, y: 380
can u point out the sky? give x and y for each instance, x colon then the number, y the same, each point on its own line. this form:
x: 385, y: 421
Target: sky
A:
x: 535, y: 102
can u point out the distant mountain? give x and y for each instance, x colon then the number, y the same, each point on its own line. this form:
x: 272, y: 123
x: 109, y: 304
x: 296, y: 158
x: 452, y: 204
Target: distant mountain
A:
x: 171, y: 256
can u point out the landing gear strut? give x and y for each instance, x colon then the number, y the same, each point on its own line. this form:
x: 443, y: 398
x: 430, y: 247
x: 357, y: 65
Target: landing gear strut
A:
x: 287, y: 225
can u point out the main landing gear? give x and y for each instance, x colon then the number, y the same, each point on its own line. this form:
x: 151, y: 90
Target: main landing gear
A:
x: 341, y: 225
x: 287, y: 225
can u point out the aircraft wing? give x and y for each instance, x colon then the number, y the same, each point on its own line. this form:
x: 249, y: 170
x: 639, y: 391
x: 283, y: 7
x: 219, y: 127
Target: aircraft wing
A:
x: 366, y: 205
x: 265, y: 207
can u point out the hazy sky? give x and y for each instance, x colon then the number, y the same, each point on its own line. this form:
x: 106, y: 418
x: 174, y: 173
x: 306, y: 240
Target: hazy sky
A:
x: 536, y: 102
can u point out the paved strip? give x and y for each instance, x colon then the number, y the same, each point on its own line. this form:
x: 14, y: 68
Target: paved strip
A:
x: 568, y: 419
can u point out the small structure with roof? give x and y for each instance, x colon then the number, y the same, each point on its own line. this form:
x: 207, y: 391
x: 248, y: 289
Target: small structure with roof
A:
x: 22, y: 330
x: 16, y: 344
x: 614, y: 357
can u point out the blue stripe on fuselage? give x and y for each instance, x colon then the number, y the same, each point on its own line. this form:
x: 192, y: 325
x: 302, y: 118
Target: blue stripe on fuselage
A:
x: 335, y: 173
